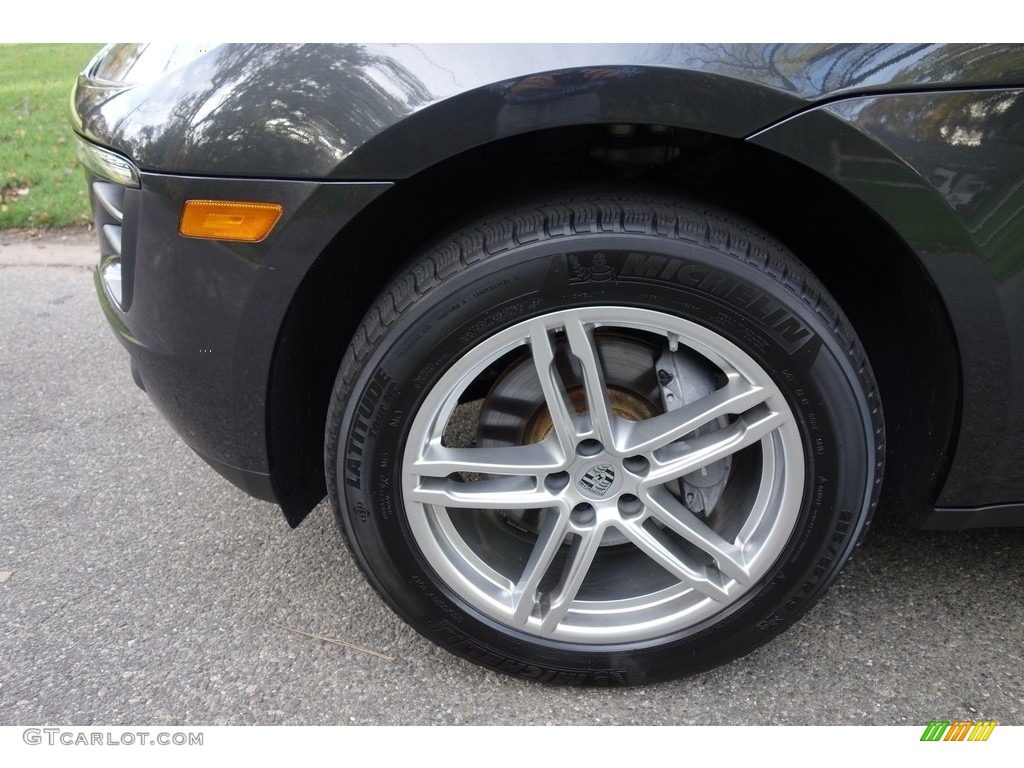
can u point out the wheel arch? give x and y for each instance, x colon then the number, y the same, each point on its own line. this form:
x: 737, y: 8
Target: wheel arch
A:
x: 920, y: 384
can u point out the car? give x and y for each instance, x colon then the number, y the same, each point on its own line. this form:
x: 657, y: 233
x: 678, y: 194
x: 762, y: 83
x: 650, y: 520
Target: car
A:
x: 601, y: 352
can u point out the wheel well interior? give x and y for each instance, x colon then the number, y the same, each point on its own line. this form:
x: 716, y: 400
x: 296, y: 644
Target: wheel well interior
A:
x: 875, y: 277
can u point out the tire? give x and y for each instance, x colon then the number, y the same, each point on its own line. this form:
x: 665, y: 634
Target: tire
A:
x: 604, y: 439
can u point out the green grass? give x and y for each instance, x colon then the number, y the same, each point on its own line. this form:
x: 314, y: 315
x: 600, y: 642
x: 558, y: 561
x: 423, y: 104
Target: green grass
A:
x: 41, y: 184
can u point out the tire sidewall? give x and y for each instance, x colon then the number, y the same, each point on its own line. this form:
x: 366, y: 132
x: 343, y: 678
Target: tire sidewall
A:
x: 739, y: 300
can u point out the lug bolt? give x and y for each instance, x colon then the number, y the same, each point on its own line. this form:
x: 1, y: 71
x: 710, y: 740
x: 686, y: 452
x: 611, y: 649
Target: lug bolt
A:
x: 583, y: 514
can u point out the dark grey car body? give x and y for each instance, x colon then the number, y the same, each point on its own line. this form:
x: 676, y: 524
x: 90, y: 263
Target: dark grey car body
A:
x: 895, y: 172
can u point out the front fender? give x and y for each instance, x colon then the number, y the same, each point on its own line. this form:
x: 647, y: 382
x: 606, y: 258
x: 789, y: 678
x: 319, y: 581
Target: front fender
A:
x: 382, y: 112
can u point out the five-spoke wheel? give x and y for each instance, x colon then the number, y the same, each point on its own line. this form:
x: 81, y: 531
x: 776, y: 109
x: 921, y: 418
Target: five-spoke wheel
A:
x: 594, y: 531
x: 605, y: 438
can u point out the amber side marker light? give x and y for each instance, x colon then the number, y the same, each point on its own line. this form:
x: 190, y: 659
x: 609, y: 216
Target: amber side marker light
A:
x: 228, y: 220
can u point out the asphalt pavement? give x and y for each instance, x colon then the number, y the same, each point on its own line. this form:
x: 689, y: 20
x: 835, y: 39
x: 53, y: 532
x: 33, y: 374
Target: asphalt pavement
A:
x: 138, y: 587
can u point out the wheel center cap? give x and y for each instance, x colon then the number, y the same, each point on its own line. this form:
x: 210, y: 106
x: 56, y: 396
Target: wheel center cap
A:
x: 598, y: 481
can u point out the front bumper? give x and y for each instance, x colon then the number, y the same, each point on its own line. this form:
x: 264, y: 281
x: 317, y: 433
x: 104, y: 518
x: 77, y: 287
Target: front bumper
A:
x: 201, y: 318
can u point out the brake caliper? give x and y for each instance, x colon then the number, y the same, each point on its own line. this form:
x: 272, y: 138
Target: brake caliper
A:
x: 685, y: 378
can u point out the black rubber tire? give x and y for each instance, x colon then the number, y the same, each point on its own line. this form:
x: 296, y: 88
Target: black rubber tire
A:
x: 622, y: 250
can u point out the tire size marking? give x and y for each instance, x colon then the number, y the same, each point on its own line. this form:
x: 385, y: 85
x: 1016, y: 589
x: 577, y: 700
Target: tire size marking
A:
x: 824, y: 565
x: 363, y: 423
